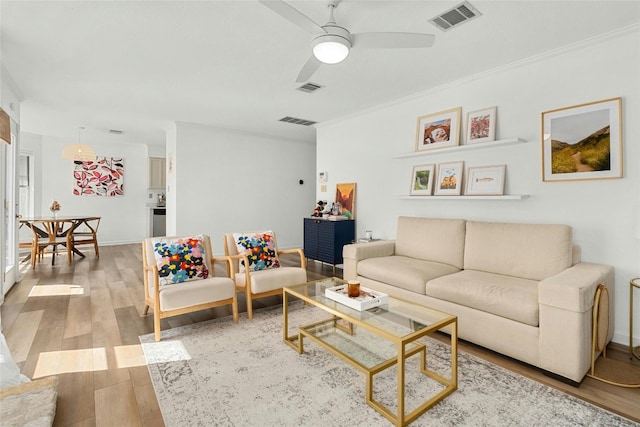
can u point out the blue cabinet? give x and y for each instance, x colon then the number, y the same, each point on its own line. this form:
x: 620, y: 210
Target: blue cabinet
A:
x: 324, y: 239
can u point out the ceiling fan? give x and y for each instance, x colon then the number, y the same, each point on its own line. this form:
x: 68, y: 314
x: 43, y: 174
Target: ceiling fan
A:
x: 333, y: 42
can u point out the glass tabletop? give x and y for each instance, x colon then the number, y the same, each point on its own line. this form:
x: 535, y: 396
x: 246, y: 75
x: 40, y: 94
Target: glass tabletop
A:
x: 398, y: 318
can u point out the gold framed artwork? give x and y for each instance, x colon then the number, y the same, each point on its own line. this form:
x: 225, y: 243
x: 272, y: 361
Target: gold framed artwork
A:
x: 449, y: 181
x: 481, y: 126
x: 438, y: 130
x: 422, y: 180
x: 485, y: 181
x: 583, y: 141
x: 346, y: 196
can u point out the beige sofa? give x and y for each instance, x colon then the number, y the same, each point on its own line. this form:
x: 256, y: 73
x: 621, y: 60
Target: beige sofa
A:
x: 518, y: 289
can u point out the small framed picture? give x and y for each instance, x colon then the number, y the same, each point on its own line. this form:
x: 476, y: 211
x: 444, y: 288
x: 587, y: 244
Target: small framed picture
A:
x: 438, y: 130
x: 422, y: 180
x: 481, y: 125
x: 485, y: 181
x: 449, y: 181
x: 583, y: 141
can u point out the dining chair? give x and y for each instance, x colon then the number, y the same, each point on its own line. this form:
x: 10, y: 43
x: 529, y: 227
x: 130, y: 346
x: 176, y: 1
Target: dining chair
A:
x: 255, y: 266
x: 54, y: 238
x: 179, y: 277
x: 86, y: 234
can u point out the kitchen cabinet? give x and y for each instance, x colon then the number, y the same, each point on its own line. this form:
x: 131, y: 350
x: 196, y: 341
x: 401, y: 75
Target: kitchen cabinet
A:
x: 324, y: 239
x: 157, y: 174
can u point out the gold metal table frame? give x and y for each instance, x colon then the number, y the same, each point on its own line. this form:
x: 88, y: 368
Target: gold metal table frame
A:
x: 406, y: 344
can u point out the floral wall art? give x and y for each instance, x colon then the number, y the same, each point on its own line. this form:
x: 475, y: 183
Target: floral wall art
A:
x: 102, y: 177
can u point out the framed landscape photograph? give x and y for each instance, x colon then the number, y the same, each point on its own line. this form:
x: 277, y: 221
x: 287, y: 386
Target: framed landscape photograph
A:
x: 438, y: 130
x: 583, y: 141
x: 449, y: 181
x: 422, y: 180
x: 481, y: 126
x: 485, y: 181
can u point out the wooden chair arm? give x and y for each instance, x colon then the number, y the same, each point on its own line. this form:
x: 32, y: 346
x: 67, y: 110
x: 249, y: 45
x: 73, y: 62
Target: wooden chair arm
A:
x: 224, y: 259
x: 300, y: 252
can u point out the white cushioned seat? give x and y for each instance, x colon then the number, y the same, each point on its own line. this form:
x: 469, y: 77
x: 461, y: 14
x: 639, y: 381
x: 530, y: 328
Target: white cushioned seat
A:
x: 173, y: 297
x: 510, y: 297
x: 404, y: 272
x: 275, y: 278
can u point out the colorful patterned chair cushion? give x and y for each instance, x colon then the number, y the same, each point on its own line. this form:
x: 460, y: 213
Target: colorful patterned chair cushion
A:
x: 260, y: 248
x: 180, y: 259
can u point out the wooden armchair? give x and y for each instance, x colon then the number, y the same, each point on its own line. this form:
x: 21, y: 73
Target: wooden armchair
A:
x: 264, y: 276
x: 179, y: 278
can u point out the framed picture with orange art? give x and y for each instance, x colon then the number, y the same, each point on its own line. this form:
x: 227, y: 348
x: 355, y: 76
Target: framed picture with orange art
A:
x: 449, y: 181
x: 346, y: 196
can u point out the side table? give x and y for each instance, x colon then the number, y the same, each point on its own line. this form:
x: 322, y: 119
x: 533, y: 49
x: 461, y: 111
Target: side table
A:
x: 633, y: 284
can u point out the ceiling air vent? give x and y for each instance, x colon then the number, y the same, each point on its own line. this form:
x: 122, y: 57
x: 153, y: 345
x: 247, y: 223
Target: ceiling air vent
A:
x: 455, y: 16
x: 295, y: 121
x: 309, y: 87
x: 115, y: 131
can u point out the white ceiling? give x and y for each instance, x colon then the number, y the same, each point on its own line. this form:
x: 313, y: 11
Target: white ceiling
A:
x: 137, y: 66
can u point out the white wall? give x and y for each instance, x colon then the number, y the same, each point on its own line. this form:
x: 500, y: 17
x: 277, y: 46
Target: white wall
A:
x: 124, y: 219
x: 360, y: 149
x: 228, y: 181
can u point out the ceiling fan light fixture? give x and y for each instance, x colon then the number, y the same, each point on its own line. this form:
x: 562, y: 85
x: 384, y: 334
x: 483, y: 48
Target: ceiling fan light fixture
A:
x: 331, y: 49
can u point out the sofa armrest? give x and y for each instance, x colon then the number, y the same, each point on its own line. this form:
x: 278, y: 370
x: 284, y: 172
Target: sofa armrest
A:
x: 574, y: 288
x: 356, y: 252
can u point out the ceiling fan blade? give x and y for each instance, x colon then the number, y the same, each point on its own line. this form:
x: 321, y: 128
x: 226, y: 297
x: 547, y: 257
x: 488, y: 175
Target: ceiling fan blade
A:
x: 309, y: 67
x: 392, y: 40
x: 294, y: 16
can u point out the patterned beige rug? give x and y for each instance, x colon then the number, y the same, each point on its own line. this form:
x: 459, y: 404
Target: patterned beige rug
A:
x: 218, y: 373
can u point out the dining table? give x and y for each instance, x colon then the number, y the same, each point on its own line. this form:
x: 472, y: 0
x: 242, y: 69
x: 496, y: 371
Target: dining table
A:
x: 56, y: 230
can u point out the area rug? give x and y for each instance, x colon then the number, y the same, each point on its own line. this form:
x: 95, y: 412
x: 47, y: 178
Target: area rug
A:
x: 218, y: 373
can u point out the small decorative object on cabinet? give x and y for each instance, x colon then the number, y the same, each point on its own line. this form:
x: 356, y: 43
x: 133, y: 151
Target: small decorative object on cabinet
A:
x: 324, y: 239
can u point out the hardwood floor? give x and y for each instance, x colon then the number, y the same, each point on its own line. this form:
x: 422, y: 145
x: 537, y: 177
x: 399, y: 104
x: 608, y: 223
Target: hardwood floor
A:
x: 82, y: 323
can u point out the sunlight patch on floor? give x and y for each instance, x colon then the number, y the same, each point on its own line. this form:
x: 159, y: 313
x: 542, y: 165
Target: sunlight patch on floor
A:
x: 56, y: 290
x: 165, y: 351
x: 66, y: 361
x: 129, y: 356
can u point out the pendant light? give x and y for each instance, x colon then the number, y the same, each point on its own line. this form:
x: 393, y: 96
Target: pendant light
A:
x: 79, y: 152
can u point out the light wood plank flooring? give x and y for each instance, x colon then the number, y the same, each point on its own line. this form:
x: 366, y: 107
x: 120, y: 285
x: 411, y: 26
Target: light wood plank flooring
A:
x: 82, y: 323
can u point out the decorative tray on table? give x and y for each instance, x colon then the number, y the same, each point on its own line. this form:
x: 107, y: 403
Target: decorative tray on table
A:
x: 367, y: 299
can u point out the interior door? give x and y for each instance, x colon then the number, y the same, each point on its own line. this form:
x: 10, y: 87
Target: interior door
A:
x: 9, y: 212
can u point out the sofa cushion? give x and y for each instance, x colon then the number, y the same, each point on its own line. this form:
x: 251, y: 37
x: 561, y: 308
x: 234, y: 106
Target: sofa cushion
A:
x: 431, y: 239
x: 404, y: 272
x: 529, y: 251
x: 505, y: 296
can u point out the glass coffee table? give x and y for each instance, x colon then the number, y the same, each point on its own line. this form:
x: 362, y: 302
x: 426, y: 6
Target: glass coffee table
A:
x: 375, y: 340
